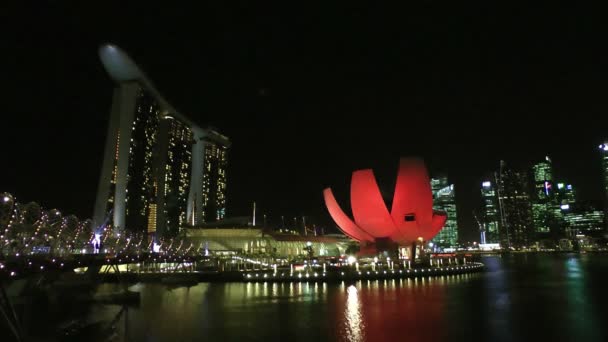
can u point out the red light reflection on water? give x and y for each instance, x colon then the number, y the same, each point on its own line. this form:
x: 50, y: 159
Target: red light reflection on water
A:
x: 392, y: 310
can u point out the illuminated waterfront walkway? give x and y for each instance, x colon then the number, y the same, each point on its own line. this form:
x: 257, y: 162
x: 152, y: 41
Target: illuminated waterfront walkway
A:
x: 351, y: 274
x: 154, y: 267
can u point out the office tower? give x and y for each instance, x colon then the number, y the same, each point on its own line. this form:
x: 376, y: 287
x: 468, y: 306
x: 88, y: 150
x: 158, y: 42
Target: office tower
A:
x: 543, y: 179
x: 565, y: 194
x: 604, y: 155
x: 490, y: 218
x: 514, y: 207
x: 583, y: 219
x: 543, y: 199
x: 444, y: 199
x: 154, y: 159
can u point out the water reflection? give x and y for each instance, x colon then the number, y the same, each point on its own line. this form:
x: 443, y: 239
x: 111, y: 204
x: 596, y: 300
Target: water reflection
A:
x: 581, y: 309
x: 354, y: 320
x: 532, y: 297
x: 382, y: 310
x: 496, y: 304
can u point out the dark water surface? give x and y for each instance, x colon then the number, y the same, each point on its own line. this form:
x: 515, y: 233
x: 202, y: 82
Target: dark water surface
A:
x: 560, y: 297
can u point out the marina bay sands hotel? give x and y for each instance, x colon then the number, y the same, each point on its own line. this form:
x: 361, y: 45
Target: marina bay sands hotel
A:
x: 160, y: 170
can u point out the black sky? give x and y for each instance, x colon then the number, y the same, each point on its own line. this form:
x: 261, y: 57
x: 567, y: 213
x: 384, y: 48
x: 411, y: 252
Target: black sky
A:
x: 308, y: 95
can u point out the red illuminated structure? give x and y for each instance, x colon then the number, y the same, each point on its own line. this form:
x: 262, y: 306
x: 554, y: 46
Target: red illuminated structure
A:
x: 411, y: 219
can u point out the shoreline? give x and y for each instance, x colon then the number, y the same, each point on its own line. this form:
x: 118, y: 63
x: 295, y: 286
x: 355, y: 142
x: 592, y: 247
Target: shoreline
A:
x: 270, y: 275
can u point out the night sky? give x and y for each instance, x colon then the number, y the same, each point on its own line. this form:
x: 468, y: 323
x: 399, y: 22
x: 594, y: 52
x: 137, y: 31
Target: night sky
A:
x: 308, y: 95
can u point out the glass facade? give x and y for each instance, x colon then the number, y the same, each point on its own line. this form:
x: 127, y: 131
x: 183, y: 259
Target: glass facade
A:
x: 543, y: 179
x: 444, y: 199
x: 544, y: 199
x: 565, y: 194
x: 604, y: 152
x: 515, y: 209
x: 583, y: 221
x: 490, y: 216
x: 604, y: 155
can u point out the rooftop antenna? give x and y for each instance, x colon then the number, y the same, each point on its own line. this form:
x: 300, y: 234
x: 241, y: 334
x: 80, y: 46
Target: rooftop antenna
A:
x: 254, y: 213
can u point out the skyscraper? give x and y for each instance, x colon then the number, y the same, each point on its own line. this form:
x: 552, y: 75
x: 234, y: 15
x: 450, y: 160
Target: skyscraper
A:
x: 583, y: 219
x: 514, y: 207
x: 154, y: 158
x: 208, y: 203
x: 543, y: 178
x: 543, y: 198
x: 173, y: 175
x: 444, y: 199
x: 604, y: 154
x: 490, y: 219
x: 565, y: 194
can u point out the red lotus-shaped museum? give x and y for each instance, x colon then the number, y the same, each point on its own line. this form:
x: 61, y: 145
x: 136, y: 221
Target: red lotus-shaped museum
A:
x: 411, y: 218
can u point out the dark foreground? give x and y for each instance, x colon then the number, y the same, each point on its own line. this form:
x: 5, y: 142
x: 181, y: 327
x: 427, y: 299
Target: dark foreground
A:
x: 520, y: 297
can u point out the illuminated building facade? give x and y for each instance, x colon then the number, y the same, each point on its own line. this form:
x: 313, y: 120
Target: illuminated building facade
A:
x: 544, y: 200
x: 239, y: 240
x: 212, y: 202
x: 490, y: 219
x: 154, y: 159
x: 514, y: 207
x: 565, y: 194
x: 444, y: 200
x: 7, y: 203
x: 604, y: 154
x: 543, y: 179
x: 411, y: 221
x: 583, y: 220
x: 174, y: 174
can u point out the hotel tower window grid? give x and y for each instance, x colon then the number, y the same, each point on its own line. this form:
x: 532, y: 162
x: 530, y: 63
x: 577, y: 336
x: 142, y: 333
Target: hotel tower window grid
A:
x: 156, y: 161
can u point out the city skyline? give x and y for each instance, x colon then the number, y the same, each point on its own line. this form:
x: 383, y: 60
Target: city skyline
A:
x: 291, y: 171
x: 297, y: 129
